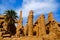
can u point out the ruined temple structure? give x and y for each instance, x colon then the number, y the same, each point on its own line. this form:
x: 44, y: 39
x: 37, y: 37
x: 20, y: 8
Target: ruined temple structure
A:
x: 41, y: 29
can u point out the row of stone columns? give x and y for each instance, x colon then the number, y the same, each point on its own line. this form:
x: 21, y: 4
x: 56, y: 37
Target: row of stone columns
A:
x: 41, y: 24
x: 41, y: 28
x: 29, y: 24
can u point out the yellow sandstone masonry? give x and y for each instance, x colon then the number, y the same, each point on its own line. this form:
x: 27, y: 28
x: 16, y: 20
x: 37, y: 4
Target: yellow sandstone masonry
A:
x: 41, y: 29
x: 30, y: 23
x: 19, y: 25
x: 41, y: 25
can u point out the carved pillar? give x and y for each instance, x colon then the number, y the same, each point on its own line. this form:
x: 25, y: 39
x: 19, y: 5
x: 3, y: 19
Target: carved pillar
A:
x: 26, y: 30
x: 50, y: 19
x: 19, y: 24
x: 52, y: 26
x: 30, y: 23
x: 37, y: 30
x: 41, y: 25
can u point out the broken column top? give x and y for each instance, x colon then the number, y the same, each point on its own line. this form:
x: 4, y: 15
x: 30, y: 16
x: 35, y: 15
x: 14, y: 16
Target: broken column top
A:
x: 50, y: 16
x: 31, y: 12
x: 42, y: 15
x: 20, y: 14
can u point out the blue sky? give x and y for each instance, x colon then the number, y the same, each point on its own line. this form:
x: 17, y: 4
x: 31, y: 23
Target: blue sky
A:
x: 38, y: 6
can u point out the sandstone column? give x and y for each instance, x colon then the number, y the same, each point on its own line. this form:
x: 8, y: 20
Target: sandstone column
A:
x: 26, y: 30
x: 19, y: 24
x: 50, y: 17
x: 30, y: 23
x: 37, y: 30
x: 52, y: 26
x: 41, y: 25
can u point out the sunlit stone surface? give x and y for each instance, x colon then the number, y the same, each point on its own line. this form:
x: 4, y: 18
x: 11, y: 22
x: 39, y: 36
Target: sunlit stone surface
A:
x: 42, y: 29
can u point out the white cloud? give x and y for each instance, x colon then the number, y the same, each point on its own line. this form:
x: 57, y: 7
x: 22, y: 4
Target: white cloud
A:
x: 38, y: 6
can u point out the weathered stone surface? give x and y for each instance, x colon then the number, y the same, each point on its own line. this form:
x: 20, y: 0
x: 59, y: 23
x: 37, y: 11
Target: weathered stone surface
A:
x: 40, y: 30
x: 41, y: 25
x: 1, y: 38
x: 24, y: 38
x: 30, y: 23
x: 19, y: 25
